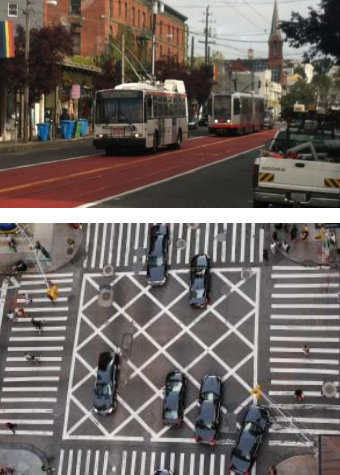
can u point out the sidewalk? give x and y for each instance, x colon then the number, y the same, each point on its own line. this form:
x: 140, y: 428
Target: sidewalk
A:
x: 12, y: 146
x: 298, y: 465
x: 25, y: 459
x: 316, y: 250
x: 57, y: 239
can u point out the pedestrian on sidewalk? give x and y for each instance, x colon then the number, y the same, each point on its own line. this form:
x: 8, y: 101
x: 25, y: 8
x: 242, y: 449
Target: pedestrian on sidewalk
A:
x: 299, y: 396
x: 19, y: 266
x: 47, y: 468
x: 20, y: 312
x: 12, y: 427
x: 272, y: 470
x: 265, y: 254
x: 37, y: 325
x: 28, y: 299
x: 12, y: 245
x: 6, y: 470
x: 285, y: 246
x: 11, y: 316
x: 305, y: 349
x: 32, y: 358
x: 293, y: 233
x: 41, y: 248
x: 304, y: 233
x: 273, y: 247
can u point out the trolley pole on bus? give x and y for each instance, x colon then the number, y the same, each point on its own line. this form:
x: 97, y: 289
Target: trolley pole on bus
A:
x: 154, y: 18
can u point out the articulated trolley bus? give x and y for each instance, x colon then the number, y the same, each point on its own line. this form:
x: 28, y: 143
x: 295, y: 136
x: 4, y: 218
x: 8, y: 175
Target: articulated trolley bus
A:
x: 238, y: 112
x: 141, y: 116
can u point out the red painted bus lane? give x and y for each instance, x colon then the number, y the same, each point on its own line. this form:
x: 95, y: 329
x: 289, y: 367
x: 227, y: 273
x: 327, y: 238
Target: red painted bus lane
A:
x: 71, y: 183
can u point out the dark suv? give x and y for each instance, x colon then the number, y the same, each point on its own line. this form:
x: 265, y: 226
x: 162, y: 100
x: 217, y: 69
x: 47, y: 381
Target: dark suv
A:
x: 209, y: 408
x: 105, y: 399
x: 157, y: 263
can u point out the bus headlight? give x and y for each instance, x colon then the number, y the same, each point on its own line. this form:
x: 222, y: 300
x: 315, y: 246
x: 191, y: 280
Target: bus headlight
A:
x: 216, y: 121
x: 100, y: 136
x: 136, y: 136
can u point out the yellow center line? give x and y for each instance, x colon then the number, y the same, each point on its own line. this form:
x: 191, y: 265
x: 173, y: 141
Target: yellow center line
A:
x: 111, y: 167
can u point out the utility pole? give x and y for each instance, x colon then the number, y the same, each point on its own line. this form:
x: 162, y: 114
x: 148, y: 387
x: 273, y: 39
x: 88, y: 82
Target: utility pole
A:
x: 192, y: 52
x: 206, y: 34
x: 123, y: 59
x: 27, y: 70
x: 154, y: 18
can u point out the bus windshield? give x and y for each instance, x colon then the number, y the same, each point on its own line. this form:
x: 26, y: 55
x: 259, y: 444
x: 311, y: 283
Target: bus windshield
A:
x: 118, y: 108
x: 222, y: 106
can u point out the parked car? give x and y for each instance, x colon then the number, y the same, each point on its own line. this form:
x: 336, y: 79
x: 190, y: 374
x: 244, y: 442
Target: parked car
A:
x: 199, y: 280
x: 209, y: 408
x: 157, y: 262
x: 193, y: 122
x: 203, y: 120
x: 249, y: 440
x: 105, y: 399
x: 174, y: 396
x: 162, y: 471
x: 268, y: 120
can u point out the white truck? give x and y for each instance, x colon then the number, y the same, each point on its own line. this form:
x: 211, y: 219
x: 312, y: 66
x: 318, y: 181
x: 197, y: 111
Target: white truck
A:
x: 300, y: 166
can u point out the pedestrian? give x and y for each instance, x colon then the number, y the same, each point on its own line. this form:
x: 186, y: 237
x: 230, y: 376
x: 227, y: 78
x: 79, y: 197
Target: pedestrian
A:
x: 285, y: 246
x: 12, y: 427
x: 293, y: 233
x: 299, y: 396
x: 41, y: 248
x: 37, y: 325
x: 274, y: 236
x: 12, y: 245
x: 272, y: 470
x: 27, y: 298
x: 304, y: 233
x: 11, y: 316
x: 265, y: 254
x: 47, y: 468
x: 305, y: 349
x: 32, y: 358
x: 19, y: 266
x: 273, y: 247
x: 20, y: 312
x: 52, y: 291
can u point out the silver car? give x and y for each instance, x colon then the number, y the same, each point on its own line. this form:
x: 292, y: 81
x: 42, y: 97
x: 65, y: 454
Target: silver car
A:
x: 268, y: 120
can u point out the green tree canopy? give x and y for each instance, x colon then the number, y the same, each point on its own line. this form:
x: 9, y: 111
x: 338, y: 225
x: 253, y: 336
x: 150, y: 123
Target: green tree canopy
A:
x: 301, y: 93
x: 320, y: 30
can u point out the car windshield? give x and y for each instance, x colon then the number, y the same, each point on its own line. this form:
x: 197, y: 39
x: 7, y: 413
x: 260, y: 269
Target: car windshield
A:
x: 209, y: 397
x: 170, y: 414
x: 253, y: 428
x: 241, y: 455
x: 201, y: 424
x: 222, y: 106
x: 103, y: 390
x: 117, y: 108
x: 156, y: 261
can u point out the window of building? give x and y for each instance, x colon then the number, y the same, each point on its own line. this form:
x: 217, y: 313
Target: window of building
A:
x: 161, y: 29
x: 133, y: 16
x: 75, y: 6
x: 111, y: 9
x: 143, y: 20
x: 13, y: 9
x: 138, y: 18
x: 275, y: 49
x: 126, y: 11
x: 120, y: 8
x: 76, y: 42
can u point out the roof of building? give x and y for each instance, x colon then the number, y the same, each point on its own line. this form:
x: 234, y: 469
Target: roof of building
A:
x: 171, y: 11
x: 275, y: 32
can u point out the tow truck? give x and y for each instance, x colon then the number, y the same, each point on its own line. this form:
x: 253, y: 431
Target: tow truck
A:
x: 300, y: 166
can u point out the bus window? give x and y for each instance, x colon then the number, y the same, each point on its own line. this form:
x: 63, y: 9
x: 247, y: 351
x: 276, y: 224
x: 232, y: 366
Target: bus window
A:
x: 149, y: 111
x: 237, y: 107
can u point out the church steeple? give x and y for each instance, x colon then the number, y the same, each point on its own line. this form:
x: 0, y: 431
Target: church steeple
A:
x: 275, y: 32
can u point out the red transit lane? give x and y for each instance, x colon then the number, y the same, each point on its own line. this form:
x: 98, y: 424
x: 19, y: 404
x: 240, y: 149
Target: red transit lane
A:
x: 75, y: 182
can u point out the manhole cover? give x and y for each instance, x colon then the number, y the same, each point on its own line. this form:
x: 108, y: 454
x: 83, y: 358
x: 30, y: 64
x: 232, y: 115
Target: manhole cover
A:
x: 329, y: 389
x: 221, y: 237
x: 193, y: 226
x: 108, y: 269
x: 246, y: 273
x: 105, y: 297
x: 181, y: 243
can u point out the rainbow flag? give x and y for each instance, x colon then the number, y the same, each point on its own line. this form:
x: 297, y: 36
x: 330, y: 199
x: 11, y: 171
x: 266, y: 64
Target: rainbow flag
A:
x: 6, y: 39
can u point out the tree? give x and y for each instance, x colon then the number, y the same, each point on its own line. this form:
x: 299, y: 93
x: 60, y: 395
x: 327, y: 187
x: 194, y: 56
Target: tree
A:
x: 320, y: 30
x: 111, y: 73
x: 300, y: 71
x: 48, y: 48
x: 301, y: 93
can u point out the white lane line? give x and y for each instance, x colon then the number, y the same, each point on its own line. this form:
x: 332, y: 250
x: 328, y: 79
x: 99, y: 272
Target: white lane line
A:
x: 112, y: 234
x: 243, y: 241
x: 324, y: 295
x: 187, y: 249
x: 42, y: 422
x: 162, y: 461
x: 181, y: 463
x: 78, y: 463
x: 304, y: 360
x: 233, y: 244
x: 61, y: 462
x: 29, y: 399
x: 290, y: 349
x: 102, y: 254
x: 33, y: 369
x: 212, y: 464
x: 119, y: 245
x: 28, y: 389
x: 135, y: 247
x: 35, y: 348
x: 206, y: 238
x: 42, y: 299
x: 192, y: 459
x: 39, y: 338
x: 311, y: 305
x: 94, y: 246
x: 25, y: 277
x: 316, y: 328
x: 179, y: 250
x: 105, y: 462
x: 307, y: 431
x: 62, y: 290
x: 315, y: 275
x: 291, y: 393
x: 127, y: 245
x: 152, y: 463
x: 252, y: 241
x: 142, y: 463
x: 42, y: 319
x: 22, y: 379
x: 197, y: 240
x: 172, y: 461
x: 201, y: 466
x: 133, y: 462
x: 45, y: 358
x: 172, y: 242
x: 87, y: 463
x: 304, y: 382
x: 70, y: 462
x: 46, y: 309
x: 124, y: 460
x: 304, y: 370
x: 45, y: 329
x: 304, y: 338
x: 145, y: 243
x: 26, y: 285
x: 306, y: 286
x: 289, y: 268
x: 278, y: 316
x: 289, y: 443
x: 261, y: 244
x: 215, y: 242
x: 28, y: 432
x: 224, y: 243
x: 26, y: 411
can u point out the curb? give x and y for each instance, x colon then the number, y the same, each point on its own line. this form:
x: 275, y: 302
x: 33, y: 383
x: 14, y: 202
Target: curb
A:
x: 35, y: 144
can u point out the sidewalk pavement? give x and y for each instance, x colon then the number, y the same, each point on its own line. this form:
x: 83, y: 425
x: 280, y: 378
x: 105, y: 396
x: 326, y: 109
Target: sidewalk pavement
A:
x: 316, y: 250
x: 61, y: 241
x: 19, y: 146
x: 298, y: 465
x: 25, y: 459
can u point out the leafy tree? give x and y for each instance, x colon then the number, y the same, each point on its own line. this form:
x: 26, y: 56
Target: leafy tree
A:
x: 301, y: 93
x: 111, y: 73
x: 320, y: 30
x: 48, y: 47
x: 300, y: 71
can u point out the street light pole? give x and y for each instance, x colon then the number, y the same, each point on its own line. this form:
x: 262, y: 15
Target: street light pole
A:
x: 27, y: 70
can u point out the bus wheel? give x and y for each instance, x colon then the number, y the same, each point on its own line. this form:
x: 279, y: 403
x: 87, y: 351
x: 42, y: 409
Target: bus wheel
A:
x: 179, y: 140
x: 155, y: 143
x: 109, y: 151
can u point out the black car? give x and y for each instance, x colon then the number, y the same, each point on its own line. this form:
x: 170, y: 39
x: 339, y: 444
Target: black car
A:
x: 174, y: 396
x: 157, y: 263
x: 208, y: 416
x: 199, y: 280
x: 162, y: 472
x: 105, y: 399
x: 249, y: 440
x: 203, y: 120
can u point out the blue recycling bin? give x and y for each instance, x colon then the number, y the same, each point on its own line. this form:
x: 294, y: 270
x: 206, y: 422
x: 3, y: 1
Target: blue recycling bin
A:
x: 43, y: 132
x: 67, y: 128
x: 84, y: 126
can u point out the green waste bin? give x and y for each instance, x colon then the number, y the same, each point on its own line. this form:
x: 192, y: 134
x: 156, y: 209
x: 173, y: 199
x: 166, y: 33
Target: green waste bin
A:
x: 77, y: 132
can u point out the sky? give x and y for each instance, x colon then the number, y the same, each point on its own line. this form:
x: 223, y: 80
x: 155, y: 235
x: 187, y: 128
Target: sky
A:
x: 239, y: 24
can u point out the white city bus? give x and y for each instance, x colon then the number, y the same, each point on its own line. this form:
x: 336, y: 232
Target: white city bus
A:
x: 237, y: 112
x: 141, y: 116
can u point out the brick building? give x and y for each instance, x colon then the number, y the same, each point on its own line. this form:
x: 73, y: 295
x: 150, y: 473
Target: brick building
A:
x: 94, y: 25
